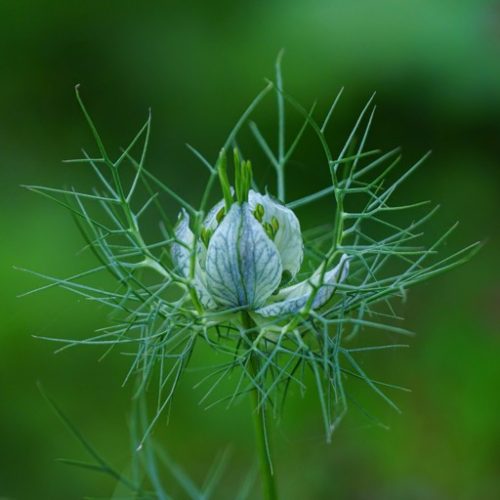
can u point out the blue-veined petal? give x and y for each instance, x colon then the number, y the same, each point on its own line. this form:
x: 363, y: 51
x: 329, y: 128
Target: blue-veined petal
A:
x: 210, y: 221
x: 243, y: 265
x: 182, y: 248
x: 292, y: 299
x: 288, y: 239
x: 181, y: 252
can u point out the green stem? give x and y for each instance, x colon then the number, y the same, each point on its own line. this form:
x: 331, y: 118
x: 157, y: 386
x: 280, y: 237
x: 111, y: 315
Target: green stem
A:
x: 280, y: 171
x: 261, y: 425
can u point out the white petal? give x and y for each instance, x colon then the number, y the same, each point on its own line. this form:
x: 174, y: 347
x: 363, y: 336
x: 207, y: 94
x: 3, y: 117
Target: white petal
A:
x: 243, y: 265
x: 181, y: 255
x: 294, y: 298
x: 288, y: 239
x: 181, y: 250
x: 210, y: 221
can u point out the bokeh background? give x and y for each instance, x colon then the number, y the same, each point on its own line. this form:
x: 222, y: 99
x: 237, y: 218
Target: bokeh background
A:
x: 436, y: 68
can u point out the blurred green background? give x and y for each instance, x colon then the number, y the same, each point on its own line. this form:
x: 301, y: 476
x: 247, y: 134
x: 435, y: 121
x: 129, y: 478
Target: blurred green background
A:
x: 436, y: 68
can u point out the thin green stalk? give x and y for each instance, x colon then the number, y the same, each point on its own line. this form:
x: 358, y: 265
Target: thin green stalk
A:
x: 260, y: 424
x: 281, y: 130
x: 262, y: 439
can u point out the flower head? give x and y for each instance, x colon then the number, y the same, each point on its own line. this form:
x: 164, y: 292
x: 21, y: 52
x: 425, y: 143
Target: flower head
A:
x: 248, y: 249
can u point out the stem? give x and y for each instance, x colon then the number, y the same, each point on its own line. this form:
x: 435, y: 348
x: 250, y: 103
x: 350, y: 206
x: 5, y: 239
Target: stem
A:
x: 261, y: 425
x: 280, y: 171
x: 281, y: 129
x: 262, y: 440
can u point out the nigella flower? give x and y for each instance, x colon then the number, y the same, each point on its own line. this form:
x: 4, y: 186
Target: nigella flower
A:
x: 247, y: 253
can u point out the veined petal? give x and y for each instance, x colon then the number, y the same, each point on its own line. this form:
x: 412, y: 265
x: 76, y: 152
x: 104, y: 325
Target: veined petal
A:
x: 181, y: 252
x: 288, y: 239
x: 210, y: 221
x: 182, y: 248
x: 292, y: 299
x: 243, y: 265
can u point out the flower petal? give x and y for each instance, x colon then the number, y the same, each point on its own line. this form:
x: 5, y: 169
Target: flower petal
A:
x: 294, y: 298
x: 181, y: 255
x: 243, y: 265
x: 210, y: 221
x: 182, y: 248
x: 288, y: 239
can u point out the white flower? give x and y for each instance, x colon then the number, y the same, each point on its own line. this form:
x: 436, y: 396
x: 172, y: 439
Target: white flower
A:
x: 245, y: 256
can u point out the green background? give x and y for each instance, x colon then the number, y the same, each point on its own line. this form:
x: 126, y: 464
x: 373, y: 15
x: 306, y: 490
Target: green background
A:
x: 436, y: 68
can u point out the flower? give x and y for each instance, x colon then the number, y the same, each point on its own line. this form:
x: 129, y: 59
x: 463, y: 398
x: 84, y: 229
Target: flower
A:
x: 245, y: 256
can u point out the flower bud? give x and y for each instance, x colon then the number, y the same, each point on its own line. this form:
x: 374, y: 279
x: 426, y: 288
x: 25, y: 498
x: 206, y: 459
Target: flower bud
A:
x: 248, y: 251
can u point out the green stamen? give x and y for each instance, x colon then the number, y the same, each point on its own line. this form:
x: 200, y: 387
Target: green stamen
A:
x: 259, y: 212
x: 275, y: 225
x: 220, y: 215
x: 205, y: 235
